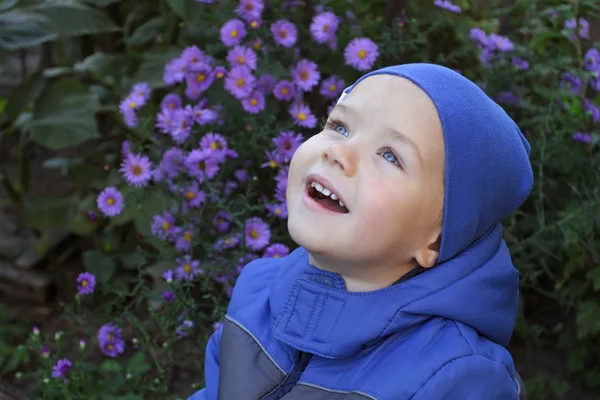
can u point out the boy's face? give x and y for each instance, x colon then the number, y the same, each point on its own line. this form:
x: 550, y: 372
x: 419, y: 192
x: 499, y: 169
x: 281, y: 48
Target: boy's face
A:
x: 382, y: 154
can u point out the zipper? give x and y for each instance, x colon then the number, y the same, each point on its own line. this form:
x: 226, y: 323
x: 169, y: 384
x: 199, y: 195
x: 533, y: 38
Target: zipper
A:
x: 302, y: 359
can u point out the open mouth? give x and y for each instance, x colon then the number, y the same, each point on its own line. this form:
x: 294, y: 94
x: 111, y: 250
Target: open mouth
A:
x: 326, y: 197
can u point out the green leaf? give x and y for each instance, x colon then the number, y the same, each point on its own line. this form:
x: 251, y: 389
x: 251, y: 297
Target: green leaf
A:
x: 152, y: 68
x: 134, y: 261
x: 43, y: 213
x: 99, y: 264
x: 7, y: 4
x: 148, y: 31
x: 186, y: 9
x: 110, y: 366
x: 81, y: 225
x: 69, y: 18
x: 138, y: 365
x: 64, y: 115
x: 588, y: 319
x: 23, y: 95
x: 594, y: 276
x: 102, y: 3
x: 21, y: 29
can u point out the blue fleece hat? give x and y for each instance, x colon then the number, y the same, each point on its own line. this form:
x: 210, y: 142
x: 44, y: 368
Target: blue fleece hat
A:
x: 487, y: 169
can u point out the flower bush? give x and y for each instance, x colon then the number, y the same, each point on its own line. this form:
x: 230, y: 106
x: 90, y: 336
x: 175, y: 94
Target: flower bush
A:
x: 196, y: 180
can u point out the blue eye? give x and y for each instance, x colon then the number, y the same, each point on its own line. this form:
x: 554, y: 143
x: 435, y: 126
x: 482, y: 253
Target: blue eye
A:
x: 389, y: 155
x: 339, y: 128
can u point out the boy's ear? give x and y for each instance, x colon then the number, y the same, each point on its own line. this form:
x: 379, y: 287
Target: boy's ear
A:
x: 428, y: 255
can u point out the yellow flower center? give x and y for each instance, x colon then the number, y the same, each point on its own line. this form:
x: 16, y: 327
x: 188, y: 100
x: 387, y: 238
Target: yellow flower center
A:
x: 362, y: 54
x: 325, y: 28
x: 201, y: 77
x: 273, y: 164
x: 166, y: 226
x: 254, y: 24
x: 276, y: 256
x: 84, y: 283
x: 136, y: 170
x: 191, y: 195
x: 254, y: 102
x: 234, y: 33
x: 215, y: 146
x: 187, y: 237
x: 187, y: 268
x: 301, y: 116
x: 241, y: 60
x: 171, y: 106
x: 219, y: 75
x: 110, y: 346
x: 256, y: 45
x: 332, y: 88
x: 133, y: 105
x: 240, y: 82
x: 110, y: 201
x: 285, y: 91
x: 228, y: 241
x: 253, y: 234
x: 278, y: 211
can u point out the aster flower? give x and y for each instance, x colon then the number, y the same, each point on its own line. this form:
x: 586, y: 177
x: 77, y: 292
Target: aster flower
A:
x: 287, y: 143
x: 168, y: 296
x: 220, y: 72
x: 284, y: 90
x: 581, y: 137
x: 240, y: 82
x: 168, y: 276
x: 136, y: 170
x: 233, y: 32
x: 278, y: 210
x: 584, y: 27
x: 198, y: 81
x: 508, y: 98
x: 184, y: 328
x: 226, y: 243
x: 571, y: 82
x: 45, y: 352
x: 195, y: 58
x: 306, y: 75
x: 61, y: 369
x: 171, y: 101
x: 203, y: 115
x: 592, y: 59
x: 221, y: 220
x: 183, y: 241
x: 284, y: 33
x: 183, y: 120
x: 201, y: 164
x: 479, y: 36
x: 86, y: 283
x: 276, y: 250
x: 332, y: 87
x: 141, y: 89
x: 174, y: 71
x: 165, y: 120
x: 255, y: 23
x: 265, y: 84
x: 163, y: 225
x: 172, y: 162
x: 216, y: 144
x: 303, y: 116
x: 241, y: 175
x: 273, y: 160
x: 110, y: 201
x: 230, y: 187
x: 250, y: 9
x: 324, y: 26
x: 257, y: 44
x: 500, y: 43
x: 254, y: 103
x: 361, y: 53
x: 257, y: 233
x: 241, y: 55
x: 187, y: 269
x: 592, y: 110
x: 520, y: 63
x: 110, y: 340
x: 447, y: 5
x: 194, y: 197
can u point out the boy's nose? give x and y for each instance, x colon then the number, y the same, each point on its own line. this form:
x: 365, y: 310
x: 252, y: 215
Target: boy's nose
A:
x: 342, y: 156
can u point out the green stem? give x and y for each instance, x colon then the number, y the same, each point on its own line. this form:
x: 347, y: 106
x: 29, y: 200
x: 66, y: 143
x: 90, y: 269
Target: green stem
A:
x: 135, y: 321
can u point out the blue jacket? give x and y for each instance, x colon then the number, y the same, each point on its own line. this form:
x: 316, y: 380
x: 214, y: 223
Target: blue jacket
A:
x: 293, y: 332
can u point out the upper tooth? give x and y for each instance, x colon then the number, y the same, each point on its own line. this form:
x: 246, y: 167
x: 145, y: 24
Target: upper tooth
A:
x: 319, y: 187
x: 313, y: 184
x: 326, y: 192
x: 341, y: 203
x: 333, y: 196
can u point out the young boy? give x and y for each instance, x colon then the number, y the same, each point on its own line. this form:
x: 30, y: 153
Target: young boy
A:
x: 403, y: 287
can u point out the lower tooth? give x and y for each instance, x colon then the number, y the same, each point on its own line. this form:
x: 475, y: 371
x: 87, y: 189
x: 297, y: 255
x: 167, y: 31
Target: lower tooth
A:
x: 341, y: 204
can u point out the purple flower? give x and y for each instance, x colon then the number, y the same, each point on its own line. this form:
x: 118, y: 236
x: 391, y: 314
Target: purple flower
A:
x: 241, y: 175
x: 257, y: 233
x: 194, y: 196
x: 172, y: 162
x: 257, y: 44
x: 165, y: 120
x: 273, y: 160
x: 584, y: 138
x: 171, y: 101
x: 287, y: 143
x: 163, y: 225
x: 203, y: 115
x: 187, y: 269
x: 45, y: 352
x: 128, y: 108
x: 520, y: 63
x: 324, y: 26
x: 265, y: 84
x: 174, y: 71
x: 168, y: 276
x: 284, y: 90
x: 250, y: 9
x: 479, y: 36
x: 361, y: 53
x: 136, y: 169
x: 254, y: 103
x: 216, y: 144
x: 125, y: 148
x: 584, y: 27
x: 281, y: 187
x: 592, y: 60
x: 500, y: 43
x: 196, y: 59
x: 141, y: 89
x: 233, y: 32
x: 183, y: 241
x: 110, y: 340
x: 226, y: 243
x: 571, y: 82
x: 240, y: 82
x: 278, y: 210
x: 110, y: 201
x: 306, y: 75
x: 198, y: 81
x: 202, y: 164
x: 276, y: 250
x: 183, y: 120
x: 447, y: 5
x: 184, y: 328
x: 222, y: 220
x: 255, y: 23
x: 284, y: 33
x: 332, y: 87
x: 168, y: 296
x: 590, y: 108
x: 486, y: 55
x: 303, y: 116
x: 241, y: 55
x: 230, y: 186
x: 220, y: 72
x: 508, y: 98
x: 86, y: 283
x: 217, y: 325
x: 61, y: 369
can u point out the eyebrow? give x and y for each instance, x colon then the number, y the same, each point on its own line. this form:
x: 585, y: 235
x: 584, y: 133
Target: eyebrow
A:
x: 396, y: 135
